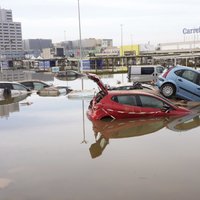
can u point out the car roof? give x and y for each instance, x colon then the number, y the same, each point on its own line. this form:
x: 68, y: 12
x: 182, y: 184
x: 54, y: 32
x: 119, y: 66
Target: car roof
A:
x: 137, y: 91
x: 34, y: 80
x: 185, y: 67
x: 9, y: 82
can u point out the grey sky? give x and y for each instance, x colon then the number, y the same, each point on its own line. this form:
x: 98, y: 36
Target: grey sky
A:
x: 156, y: 21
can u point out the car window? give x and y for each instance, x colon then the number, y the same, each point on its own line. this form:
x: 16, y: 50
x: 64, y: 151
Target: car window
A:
x: 28, y: 85
x: 178, y: 72
x: 18, y: 87
x: 1, y: 85
x: 159, y: 69
x: 147, y: 101
x: 125, y: 99
x: 147, y: 70
x: 190, y: 75
x: 198, y: 80
x: 7, y: 85
x: 38, y: 86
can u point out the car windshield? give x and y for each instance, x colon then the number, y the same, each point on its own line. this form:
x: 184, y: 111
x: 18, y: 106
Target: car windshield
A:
x: 160, y: 69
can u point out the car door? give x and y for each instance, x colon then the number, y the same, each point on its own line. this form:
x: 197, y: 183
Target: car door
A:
x: 28, y: 85
x: 197, y: 89
x: 150, y: 105
x: 187, y: 85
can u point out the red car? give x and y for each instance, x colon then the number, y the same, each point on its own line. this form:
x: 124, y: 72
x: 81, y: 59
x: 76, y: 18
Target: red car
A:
x: 129, y: 104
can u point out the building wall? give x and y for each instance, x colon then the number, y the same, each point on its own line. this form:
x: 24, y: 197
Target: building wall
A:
x: 129, y: 48
x: 107, y: 43
x: 179, y: 45
x: 89, y: 44
x: 5, y: 15
x: 10, y: 36
x: 46, y: 53
x: 37, y: 44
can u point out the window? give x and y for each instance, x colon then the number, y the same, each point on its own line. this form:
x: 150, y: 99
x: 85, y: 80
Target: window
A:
x: 1, y: 85
x: 190, y: 76
x: 159, y: 69
x: 28, y: 85
x: 147, y: 101
x: 6, y: 85
x: 125, y: 99
x: 147, y: 70
x: 19, y: 87
x: 178, y: 72
x: 39, y: 86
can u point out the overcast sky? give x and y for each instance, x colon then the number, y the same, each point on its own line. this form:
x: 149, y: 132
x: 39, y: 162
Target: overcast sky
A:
x: 154, y: 21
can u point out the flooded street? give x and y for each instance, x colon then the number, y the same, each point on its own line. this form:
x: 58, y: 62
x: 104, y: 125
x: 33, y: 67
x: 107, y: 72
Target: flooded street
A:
x: 50, y: 150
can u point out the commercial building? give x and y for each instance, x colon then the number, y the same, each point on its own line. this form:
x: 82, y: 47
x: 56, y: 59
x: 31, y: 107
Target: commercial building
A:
x: 90, y: 45
x: 10, y: 36
x: 34, y: 47
x: 173, y: 53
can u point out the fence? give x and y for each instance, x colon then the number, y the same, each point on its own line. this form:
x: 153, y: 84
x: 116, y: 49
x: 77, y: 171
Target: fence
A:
x: 13, y: 75
x: 19, y: 75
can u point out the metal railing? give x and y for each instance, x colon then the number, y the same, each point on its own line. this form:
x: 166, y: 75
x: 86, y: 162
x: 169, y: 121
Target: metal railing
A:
x: 13, y: 75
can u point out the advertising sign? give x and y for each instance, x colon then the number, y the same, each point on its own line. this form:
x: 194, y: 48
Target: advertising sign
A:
x: 191, y: 30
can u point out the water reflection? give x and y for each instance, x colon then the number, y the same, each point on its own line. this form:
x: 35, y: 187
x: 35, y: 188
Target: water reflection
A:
x: 10, y: 100
x: 104, y: 130
x: 10, y: 105
x: 185, y: 123
x: 66, y: 78
x: 42, y: 156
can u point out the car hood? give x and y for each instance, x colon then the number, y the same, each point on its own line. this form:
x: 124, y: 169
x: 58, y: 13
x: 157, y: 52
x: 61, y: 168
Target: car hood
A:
x: 97, y: 80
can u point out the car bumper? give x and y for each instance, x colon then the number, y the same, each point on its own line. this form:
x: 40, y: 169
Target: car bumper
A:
x: 160, y: 82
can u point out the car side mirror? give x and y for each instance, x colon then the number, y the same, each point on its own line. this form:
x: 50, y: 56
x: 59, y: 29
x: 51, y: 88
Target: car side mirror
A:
x: 165, y: 108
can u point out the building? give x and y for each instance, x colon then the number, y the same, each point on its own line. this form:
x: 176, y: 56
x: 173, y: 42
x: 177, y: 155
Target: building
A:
x: 34, y: 47
x: 129, y: 50
x: 90, y: 45
x: 184, y: 53
x: 10, y: 36
x: 49, y: 53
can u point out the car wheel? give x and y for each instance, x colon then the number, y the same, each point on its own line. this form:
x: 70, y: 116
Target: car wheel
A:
x: 168, y: 90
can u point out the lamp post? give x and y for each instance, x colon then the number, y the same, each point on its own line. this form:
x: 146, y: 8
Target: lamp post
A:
x: 122, y: 50
x: 80, y: 45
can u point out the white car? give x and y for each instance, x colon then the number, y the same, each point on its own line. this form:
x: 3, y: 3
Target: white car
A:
x: 12, y: 89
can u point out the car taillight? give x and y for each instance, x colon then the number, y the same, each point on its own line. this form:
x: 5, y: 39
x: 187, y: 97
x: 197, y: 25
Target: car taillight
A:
x: 164, y: 75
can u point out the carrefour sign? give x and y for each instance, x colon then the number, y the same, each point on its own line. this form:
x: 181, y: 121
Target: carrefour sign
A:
x: 191, y: 30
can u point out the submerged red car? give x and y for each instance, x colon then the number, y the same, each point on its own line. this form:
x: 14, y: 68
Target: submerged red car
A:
x: 129, y: 104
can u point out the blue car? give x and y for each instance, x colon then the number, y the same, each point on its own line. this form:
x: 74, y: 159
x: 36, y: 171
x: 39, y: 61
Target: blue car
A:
x: 180, y: 81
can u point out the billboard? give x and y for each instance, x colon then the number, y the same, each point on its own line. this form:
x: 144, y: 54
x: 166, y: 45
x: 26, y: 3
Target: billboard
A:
x: 191, y: 30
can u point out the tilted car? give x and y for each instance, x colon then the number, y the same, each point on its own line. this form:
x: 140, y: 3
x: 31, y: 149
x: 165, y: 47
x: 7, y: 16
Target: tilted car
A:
x: 180, y: 81
x: 118, y: 104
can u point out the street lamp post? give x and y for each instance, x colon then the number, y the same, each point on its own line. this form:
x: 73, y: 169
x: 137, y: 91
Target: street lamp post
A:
x: 122, y: 50
x: 80, y: 45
